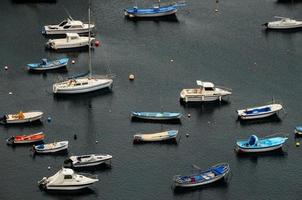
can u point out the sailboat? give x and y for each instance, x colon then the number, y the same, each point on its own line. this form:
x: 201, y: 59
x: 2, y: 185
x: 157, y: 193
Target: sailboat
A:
x: 85, y: 84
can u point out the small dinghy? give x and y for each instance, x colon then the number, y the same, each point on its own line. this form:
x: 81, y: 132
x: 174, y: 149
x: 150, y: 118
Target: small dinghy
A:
x: 22, y: 117
x: 48, y: 65
x: 255, y: 144
x: 51, y: 147
x: 155, y: 137
x: 283, y: 23
x: 156, y: 115
x: 24, y: 139
x: 88, y: 160
x: 259, y: 112
x: 211, y: 175
x: 67, y: 179
x: 298, y: 130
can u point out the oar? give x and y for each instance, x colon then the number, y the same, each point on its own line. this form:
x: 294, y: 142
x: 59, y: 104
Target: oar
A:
x: 196, y: 167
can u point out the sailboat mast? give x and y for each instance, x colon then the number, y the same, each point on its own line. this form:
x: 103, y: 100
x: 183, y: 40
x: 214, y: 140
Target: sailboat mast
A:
x: 89, y: 36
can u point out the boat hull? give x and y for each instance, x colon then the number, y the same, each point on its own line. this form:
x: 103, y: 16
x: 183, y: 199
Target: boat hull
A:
x: 258, y: 116
x: 162, y: 14
x: 258, y: 150
x: 198, y: 184
x: 67, y: 187
x: 46, y: 31
x: 82, y: 90
x: 46, y: 68
x: 202, y: 98
x: 156, y: 137
x: 23, y: 120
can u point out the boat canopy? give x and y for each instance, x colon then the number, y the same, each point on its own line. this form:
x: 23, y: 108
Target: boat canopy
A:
x: 204, y: 84
x: 67, y: 171
x: 253, y: 140
x: 44, y: 61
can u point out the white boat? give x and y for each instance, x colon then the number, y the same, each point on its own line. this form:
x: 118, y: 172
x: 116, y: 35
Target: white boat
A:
x: 83, y: 84
x: 154, y: 137
x: 67, y: 179
x: 206, y: 92
x: 67, y: 26
x: 284, y: 23
x: 259, y: 112
x: 88, y: 160
x: 72, y: 40
x: 22, y: 117
x: 51, y: 147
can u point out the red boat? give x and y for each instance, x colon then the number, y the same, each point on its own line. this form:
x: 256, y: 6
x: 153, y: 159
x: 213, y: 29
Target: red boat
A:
x: 23, y: 139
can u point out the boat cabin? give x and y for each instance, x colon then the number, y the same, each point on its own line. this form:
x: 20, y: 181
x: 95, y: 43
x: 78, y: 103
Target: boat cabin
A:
x: 71, y: 24
x: 72, y: 36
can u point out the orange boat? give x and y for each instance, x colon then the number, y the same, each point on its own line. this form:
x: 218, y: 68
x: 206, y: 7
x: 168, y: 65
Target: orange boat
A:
x: 23, y: 139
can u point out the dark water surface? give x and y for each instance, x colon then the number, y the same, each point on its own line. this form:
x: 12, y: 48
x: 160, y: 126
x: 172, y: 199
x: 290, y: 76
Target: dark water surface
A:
x: 230, y: 48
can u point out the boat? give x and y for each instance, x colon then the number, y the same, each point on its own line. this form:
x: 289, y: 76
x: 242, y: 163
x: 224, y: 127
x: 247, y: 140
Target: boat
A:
x: 154, y: 137
x: 67, y: 26
x: 51, y: 147
x: 208, y: 176
x: 48, y: 65
x: 24, y: 139
x: 21, y: 117
x: 84, y: 84
x: 206, y: 92
x: 158, y: 10
x: 156, y: 115
x: 88, y: 160
x: 255, y: 144
x: 72, y: 40
x: 283, y: 23
x: 298, y: 130
x: 259, y: 112
x: 67, y: 179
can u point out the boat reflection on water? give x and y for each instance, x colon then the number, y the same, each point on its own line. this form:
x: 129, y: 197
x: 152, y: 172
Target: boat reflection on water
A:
x: 169, y: 18
x: 276, y: 154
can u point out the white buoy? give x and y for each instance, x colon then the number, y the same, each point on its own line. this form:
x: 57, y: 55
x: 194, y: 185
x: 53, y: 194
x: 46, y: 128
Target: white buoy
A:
x: 216, y: 10
x: 187, y: 135
x: 10, y: 93
x: 171, y: 60
x: 189, y: 115
x: 73, y: 61
x: 6, y: 67
x: 96, y: 141
x: 131, y: 77
x: 48, y: 167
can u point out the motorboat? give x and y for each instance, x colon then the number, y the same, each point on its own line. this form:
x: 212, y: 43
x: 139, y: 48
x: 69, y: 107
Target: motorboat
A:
x: 82, y: 85
x: 90, y: 83
x: 155, y: 137
x: 48, y: 65
x: 21, y: 117
x: 72, y: 40
x: 156, y: 115
x: 51, y: 147
x: 67, y: 26
x: 259, y: 112
x: 88, y: 160
x: 206, y: 92
x: 284, y: 23
x: 24, y: 139
x: 256, y: 145
x: 67, y: 179
x: 298, y: 130
x: 208, y: 176
x: 157, y: 10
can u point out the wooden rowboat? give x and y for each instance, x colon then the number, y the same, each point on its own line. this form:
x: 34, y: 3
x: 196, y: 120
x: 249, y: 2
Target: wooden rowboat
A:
x: 154, y: 137
x: 211, y: 175
x: 21, y: 117
x: 24, y: 139
x: 156, y: 115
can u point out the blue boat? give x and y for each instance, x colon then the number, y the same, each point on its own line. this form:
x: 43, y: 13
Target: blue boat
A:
x: 259, y: 112
x: 211, y: 175
x: 157, y: 10
x: 255, y: 144
x: 298, y: 130
x: 47, y: 65
x: 156, y: 115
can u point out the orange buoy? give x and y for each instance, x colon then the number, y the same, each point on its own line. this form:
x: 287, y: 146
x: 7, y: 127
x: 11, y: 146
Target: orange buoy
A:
x: 97, y: 43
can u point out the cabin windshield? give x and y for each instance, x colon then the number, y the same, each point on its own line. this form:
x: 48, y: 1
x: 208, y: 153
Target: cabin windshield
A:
x: 67, y: 177
x: 209, y: 89
x: 63, y: 23
x: 66, y: 27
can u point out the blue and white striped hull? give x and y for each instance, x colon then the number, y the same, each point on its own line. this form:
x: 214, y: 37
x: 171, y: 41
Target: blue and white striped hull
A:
x: 257, y: 116
x: 161, y: 14
x: 258, y: 150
